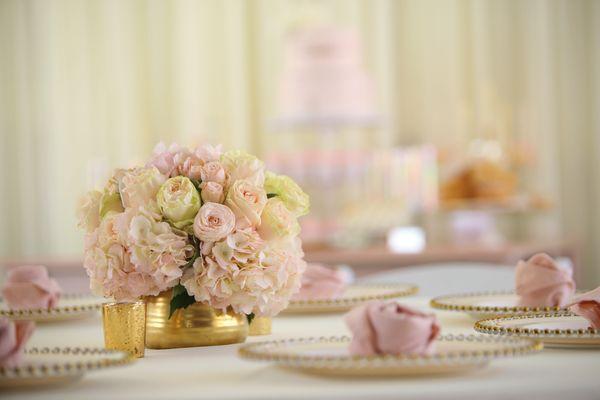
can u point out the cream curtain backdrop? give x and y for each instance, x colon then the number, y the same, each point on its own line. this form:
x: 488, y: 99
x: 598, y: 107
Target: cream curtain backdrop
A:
x: 86, y: 86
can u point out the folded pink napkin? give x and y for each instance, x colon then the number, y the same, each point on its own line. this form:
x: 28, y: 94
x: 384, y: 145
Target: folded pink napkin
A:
x: 29, y: 286
x: 380, y: 327
x: 587, y: 305
x: 13, y: 336
x: 320, y: 282
x: 540, y: 282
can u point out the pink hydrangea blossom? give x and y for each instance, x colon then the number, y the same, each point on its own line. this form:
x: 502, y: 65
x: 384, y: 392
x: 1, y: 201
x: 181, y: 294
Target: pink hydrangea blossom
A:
x: 262, y: 284
x: 133, y: 255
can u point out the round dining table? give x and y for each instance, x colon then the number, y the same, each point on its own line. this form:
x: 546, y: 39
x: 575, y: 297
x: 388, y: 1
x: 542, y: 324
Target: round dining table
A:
x: 218, y: 372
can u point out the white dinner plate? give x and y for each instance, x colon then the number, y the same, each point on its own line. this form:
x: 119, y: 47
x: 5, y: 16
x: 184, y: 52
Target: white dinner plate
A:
x: 70, y: 306
x: 353, y: 296
x: 487, y: 304
x: 329, y: 356
x: 553, y: 329
x: 59, y: 365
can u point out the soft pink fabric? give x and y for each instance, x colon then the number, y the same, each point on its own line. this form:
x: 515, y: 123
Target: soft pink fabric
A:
x: 13, y: 336
x: 29, y: 286
x: 587, y: 305
x: 320, y: 282
x: 540, y: 282
x: 381, y: 327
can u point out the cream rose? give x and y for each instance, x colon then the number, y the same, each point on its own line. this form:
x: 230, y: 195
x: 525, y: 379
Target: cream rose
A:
x: 287, y: 190
x: 213, y: 222
x: 179, y: 201
x: 243, y: 166
x: 139, y: 186
x: 247, y: 202
x: 212, y: 192
x: 277, y: 221
x: 213, y: 172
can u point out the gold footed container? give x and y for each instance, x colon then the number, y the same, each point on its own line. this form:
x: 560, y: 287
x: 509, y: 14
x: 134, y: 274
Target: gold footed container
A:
x: 196, y: 325
x: 124, y: 327
x: 260, y: 326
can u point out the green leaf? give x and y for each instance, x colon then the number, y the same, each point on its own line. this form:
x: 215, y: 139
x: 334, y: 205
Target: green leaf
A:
x: 180, y: 299
x: 196, y: 254
x: 250, y: 317
x: 178, y: 290
x: 197, y: 183
x: 269, y: 195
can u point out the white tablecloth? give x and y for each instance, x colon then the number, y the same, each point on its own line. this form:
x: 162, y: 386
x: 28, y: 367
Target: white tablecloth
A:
x: 218, y: 373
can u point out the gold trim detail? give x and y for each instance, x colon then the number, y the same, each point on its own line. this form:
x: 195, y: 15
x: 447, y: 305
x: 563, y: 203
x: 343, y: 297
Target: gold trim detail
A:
x: 442, y: 303
x: 275, y: 351
x: 398, y: 290
x: 50, y: 369
x: 490, y: 326
x: 94, y: 305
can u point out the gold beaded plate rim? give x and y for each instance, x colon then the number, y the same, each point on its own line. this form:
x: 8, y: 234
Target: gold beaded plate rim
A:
x: 281, y: 352
x: 346, y: 301
x: 583, y: 336
x: 47, y: 365
x: 449, y: 303
x: 84, y: 304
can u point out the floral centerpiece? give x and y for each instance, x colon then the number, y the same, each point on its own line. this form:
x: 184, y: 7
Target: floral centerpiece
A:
x: 216, y: 228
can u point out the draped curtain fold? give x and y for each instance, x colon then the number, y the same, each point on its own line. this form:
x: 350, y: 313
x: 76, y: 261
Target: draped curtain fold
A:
x: 86, y: 86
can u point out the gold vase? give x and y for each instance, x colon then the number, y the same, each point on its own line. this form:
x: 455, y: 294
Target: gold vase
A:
x: 196, y: 325
x: 260, y: 326
x: 125, y: 327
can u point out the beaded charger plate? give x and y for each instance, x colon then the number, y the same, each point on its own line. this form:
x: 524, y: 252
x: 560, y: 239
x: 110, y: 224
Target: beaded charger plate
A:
x: 486, y: 304
x: 59, y: 365
x: 562, y: 329
x: 353, y: 296
x: 329, y: 355
x: 70, y: 306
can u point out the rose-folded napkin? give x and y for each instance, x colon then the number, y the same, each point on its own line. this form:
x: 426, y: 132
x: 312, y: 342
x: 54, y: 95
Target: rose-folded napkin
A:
x: 320, y: 282
x: 13, y: 337
x: 380, y: 327
x: 541, y: 282
x: 30, y: 287
x: 587, y: 305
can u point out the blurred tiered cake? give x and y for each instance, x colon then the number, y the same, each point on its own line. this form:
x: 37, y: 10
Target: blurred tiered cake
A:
x: 324, y: 76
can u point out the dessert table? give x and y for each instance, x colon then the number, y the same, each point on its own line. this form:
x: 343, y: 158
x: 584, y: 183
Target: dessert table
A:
x: 218, y: 373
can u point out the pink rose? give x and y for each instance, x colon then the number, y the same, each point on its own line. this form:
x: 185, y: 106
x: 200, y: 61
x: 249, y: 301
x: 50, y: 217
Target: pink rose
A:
x: 213, y: 172
x: 247, y: 202
x: 212, y: 192
x: 190, y: 166
x: 320, y: 282
x: 540, y: 282
x: 30, y: 287
x: 213, y: 222
x: 13, y: 337
x: 381, y: 327
x: 587, y: 305
x: 164, y: 158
